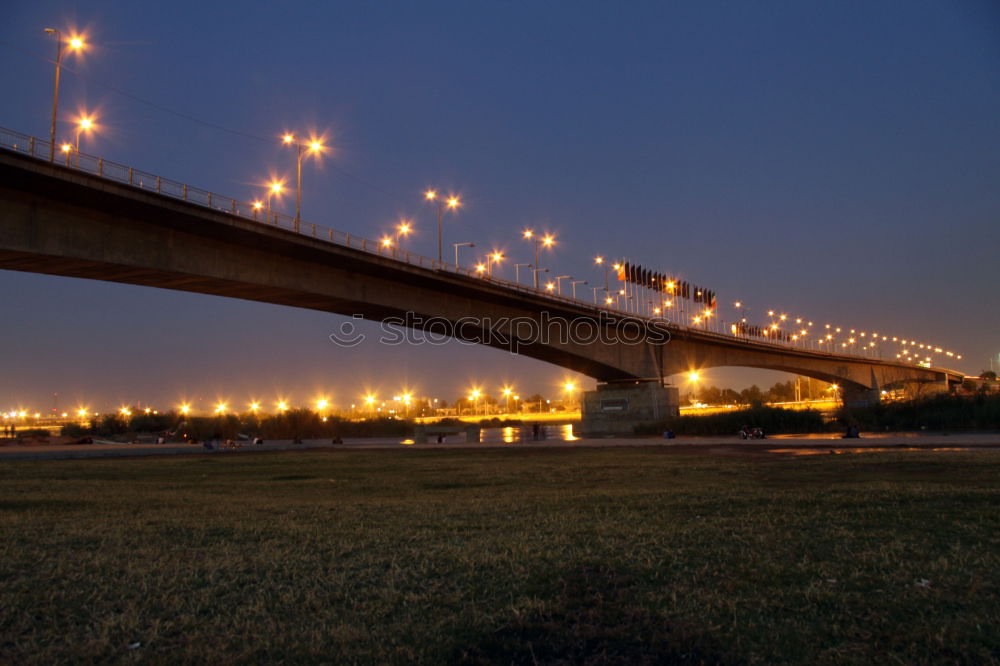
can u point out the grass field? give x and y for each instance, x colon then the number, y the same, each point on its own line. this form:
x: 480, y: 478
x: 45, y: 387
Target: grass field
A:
x: 602, y: 556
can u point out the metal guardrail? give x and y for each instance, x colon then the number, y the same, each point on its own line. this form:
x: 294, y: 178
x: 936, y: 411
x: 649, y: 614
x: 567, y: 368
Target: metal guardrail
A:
x: 120, y: 173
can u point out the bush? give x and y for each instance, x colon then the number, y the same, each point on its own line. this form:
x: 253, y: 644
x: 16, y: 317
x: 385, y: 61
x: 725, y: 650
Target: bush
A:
x: 936, y: 412
x: 33, y: 432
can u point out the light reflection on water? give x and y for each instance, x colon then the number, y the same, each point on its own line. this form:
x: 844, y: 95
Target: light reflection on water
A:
x: 873, y: 449
x: 517, y: 435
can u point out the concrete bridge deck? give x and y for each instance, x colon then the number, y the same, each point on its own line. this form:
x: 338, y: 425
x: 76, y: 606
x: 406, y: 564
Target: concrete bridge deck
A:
x: 63, y: 221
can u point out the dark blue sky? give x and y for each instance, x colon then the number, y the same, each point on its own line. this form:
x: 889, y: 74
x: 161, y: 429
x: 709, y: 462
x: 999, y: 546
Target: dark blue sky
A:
x: 838, y: 161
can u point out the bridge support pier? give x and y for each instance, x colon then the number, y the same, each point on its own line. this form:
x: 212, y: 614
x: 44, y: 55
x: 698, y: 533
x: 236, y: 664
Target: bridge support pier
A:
x: 617, y: 408
x: 859, y: 396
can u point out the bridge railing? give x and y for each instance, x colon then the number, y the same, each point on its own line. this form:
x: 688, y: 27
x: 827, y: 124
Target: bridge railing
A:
x: 255, y: 212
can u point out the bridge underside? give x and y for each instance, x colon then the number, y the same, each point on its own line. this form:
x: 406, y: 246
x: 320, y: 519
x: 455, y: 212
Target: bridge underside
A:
x: 60, y: 222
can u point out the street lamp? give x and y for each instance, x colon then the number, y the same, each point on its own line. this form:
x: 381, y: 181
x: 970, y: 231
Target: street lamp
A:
x: 517, y: 272
x: 75, y: 44
x: 451, y: 203
x: 569, y: 387
x: 458, y: 245
x: 547, y: 240
x: 507, y: 393
x: 85, y: 124
x: 493, y: 258
x: 403, y: 229
x: 600, y: 262
x: 559, y: 279
x: 574, y: 283
x: 312, y: 147
x: 274, y: 188
x: 536, y: 271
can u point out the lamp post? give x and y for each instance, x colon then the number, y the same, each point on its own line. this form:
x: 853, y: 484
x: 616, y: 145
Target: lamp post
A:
x: 75, y: 44
x: 547, y: 240
x: 569, y: 387
x: 600, y: 262
x: 492, y: 258
x: 595, y: 289
x: 403, y: 229
x: 85, y: 124
x: 574, y: 283
x: 275, y: 188
x: 517, y: 272
x: 313, y: 146
x: 559, y: 279
x: 451, y: 203
x: 458, y: 245
x: 536, y: 271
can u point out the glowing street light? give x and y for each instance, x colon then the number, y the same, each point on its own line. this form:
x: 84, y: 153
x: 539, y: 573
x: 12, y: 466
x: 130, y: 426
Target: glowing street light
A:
x: 600, y: 262
x: 547, y: 240
x: 85, y: 124
x: 185, y: 409
x: 254, y: 407
x: 507, y: 392
x: 312, y: 147
x: 221, y: 407
x: 282, y: 406
x: 274, y: 189
x: 569, y: 387
x: 452, y: 202
x: 491, y: 259
x: 403, y: 230
x: 75, y: 43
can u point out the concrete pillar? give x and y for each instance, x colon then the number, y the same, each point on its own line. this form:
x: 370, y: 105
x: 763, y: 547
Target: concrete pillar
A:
x: 855, y: 395
x: 617, y: 408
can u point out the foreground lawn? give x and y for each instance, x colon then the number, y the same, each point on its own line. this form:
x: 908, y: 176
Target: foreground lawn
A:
x: 600, y: 556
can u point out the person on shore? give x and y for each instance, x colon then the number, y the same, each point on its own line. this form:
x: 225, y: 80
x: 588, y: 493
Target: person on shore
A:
x: 853, y: 432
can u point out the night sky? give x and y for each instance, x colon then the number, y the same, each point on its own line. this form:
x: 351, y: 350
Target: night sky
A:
x: 838, y: 161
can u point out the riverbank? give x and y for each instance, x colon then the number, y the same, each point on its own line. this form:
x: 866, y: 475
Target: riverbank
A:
x: 725, y: 445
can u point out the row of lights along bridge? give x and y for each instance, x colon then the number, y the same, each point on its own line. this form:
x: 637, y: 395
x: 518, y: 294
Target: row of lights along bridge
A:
x: 635, y: 300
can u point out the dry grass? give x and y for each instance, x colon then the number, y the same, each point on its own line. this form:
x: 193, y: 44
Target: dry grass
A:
x: 600, y: 556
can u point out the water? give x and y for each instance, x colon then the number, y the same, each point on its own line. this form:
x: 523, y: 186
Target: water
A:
x: 508, y: 435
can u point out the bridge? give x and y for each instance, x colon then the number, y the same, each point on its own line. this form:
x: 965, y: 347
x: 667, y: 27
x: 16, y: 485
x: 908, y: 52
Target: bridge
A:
x: 90, y: 218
